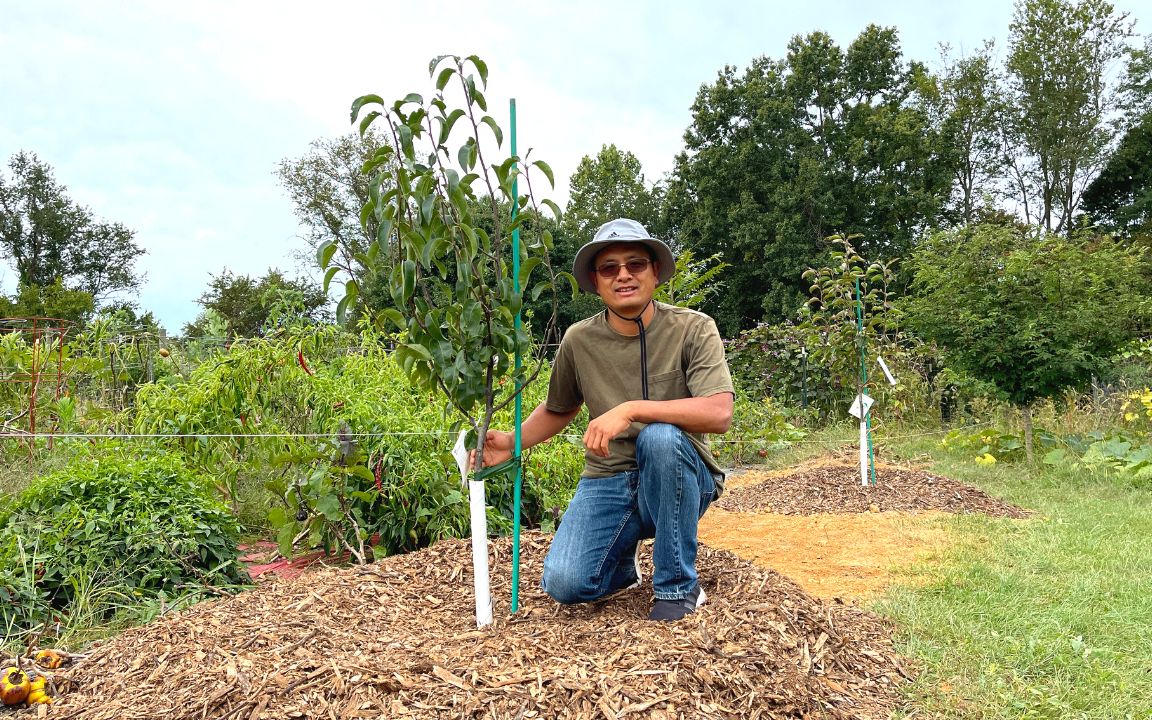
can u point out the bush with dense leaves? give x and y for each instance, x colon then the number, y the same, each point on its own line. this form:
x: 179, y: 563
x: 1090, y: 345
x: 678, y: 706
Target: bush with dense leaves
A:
x: 143, y: 522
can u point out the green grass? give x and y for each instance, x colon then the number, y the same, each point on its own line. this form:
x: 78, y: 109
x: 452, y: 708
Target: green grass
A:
x: 1049, y: 617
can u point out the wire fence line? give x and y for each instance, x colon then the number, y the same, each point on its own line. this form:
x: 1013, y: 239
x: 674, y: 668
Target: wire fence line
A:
x: 354, y: 435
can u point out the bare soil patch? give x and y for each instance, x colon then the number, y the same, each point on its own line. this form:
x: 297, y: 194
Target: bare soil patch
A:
x: 836, y: 488
x: 845, y: 557
x: 398, y: 639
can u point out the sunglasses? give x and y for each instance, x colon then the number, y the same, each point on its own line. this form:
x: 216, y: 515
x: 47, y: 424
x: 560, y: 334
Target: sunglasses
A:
x: 634, y: 267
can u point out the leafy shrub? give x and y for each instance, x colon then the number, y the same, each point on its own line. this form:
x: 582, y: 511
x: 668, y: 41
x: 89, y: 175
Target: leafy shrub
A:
x: 986, y: 444
x: 369, y: 471
x: 146, y: 519
x: 759, y: 427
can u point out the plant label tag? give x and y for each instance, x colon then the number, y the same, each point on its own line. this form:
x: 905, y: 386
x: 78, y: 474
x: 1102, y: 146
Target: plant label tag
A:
x: 887, y: 372
x: 855, y: 410
x: 460, y: 452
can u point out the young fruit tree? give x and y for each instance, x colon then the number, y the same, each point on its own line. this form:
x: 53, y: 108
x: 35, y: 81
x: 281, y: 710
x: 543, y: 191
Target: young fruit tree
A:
x: 440, y: 202
x: 1032, y: 312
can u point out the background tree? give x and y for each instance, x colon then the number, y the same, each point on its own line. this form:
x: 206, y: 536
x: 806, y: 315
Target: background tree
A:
x: 248, y: 305
x: 1119, y: 199
x: 1033, y: 313
x: 50, y: 239
x: 328, y: 188
x: 971, y: 116
x: 824, y: 141
x: 53, y: 300
x: 1060, y: 55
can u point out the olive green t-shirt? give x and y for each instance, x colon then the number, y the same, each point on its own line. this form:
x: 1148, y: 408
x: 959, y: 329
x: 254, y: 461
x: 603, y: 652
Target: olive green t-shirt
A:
x: 598, y: 366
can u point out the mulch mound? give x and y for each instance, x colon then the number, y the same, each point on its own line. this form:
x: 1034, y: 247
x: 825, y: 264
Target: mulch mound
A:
x: 398, y: 638
x: 836, y: 489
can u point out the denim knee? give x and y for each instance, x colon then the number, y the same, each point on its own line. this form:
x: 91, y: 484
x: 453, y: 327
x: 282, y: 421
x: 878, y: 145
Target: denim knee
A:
x: 659, y: 438
x: 564, y: 587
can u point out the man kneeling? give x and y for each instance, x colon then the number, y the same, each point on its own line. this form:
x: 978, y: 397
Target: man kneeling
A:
x: 655, y: 381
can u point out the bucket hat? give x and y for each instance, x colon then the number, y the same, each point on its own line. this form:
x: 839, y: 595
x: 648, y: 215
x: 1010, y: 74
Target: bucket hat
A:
x: 620, y: 230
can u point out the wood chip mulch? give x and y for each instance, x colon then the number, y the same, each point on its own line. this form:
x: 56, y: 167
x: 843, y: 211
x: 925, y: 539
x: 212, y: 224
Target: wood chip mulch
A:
x: 398, y: 639
x: 836, y: 489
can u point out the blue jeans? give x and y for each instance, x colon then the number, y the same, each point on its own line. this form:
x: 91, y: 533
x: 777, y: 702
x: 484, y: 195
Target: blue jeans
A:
x: 591, y: 554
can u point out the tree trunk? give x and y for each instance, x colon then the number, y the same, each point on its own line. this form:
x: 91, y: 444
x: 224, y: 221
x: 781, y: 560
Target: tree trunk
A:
x: 1026, y: 413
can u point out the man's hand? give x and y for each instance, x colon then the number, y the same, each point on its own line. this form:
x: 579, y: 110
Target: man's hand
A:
x: 605, y: 428
x: 498, y: 447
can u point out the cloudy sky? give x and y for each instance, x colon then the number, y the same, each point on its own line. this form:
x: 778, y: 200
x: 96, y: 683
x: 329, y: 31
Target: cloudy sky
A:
x: 172, y: 117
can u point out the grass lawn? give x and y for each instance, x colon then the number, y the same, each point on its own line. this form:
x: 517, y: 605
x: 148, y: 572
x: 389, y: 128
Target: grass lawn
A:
x: 1049, y: 617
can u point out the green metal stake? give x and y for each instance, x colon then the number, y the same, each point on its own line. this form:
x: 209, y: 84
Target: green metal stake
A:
x: 516, y: 289
x: 864, y: 382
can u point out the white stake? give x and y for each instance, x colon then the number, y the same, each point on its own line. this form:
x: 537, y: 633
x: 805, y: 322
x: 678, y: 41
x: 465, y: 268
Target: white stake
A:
x: 859, y: 409
x: 480, y: 553
x: 479, y: 520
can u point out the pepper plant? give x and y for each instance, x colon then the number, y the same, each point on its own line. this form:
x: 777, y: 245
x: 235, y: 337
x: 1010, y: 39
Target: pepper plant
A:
x: 436, y: 194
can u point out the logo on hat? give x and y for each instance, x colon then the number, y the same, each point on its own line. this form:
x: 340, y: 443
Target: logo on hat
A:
x: 614, y: 234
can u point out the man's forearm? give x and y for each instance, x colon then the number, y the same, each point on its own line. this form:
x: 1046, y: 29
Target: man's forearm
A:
x: 711, y: 414
x: 543, y: 424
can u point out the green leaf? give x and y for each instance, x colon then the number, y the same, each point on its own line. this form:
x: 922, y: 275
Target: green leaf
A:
x: 419, y: 350
x: 408, y: 270
x: 367, y: 121
x: 491, y: 123
x: 481, y: 67
x: 435, y: 62
x: 362, y: 101
x: 325, y: 252
x: 467, y: 154
x: 331, y: 273
x: 553, y: 207
x: 342, y: 311
x: 393, y: 315
x: 526, y: 269
x: 447, y: 123
x: 409, y: 98
x: 445, y: 75
x: 406, y: 148
x: 547, y: 170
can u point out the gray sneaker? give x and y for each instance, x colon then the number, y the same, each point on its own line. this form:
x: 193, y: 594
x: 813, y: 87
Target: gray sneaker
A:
x: 636, y: 567
x: 671, y: 610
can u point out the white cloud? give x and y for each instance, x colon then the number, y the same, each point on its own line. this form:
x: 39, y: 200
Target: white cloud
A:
x: 171, y: 117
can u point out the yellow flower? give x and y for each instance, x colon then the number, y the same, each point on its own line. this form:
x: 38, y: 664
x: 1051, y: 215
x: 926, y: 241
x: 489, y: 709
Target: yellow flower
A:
x: 986, y: 459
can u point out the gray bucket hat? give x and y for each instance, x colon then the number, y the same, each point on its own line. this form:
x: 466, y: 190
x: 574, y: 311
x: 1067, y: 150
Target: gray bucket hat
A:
x: 620, y: 230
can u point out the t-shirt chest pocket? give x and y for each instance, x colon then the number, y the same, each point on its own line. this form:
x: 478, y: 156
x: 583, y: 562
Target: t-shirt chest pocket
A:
x: 669, y: 385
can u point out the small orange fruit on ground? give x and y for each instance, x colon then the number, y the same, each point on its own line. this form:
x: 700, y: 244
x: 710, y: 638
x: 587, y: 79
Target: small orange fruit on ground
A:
x: 14, y: 686
x: 50, y: 659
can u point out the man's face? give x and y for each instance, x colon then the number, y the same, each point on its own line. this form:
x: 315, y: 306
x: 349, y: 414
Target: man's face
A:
x: 625, y: 292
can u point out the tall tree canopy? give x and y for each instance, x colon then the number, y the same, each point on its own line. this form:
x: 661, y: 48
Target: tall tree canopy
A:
x: 50, y: 240
x: 328, y: 188
x: 609, y: 186
x: 824, y: 141
x: 1120, y: 197
x: 1060, y: 55
x: 970, y: 116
